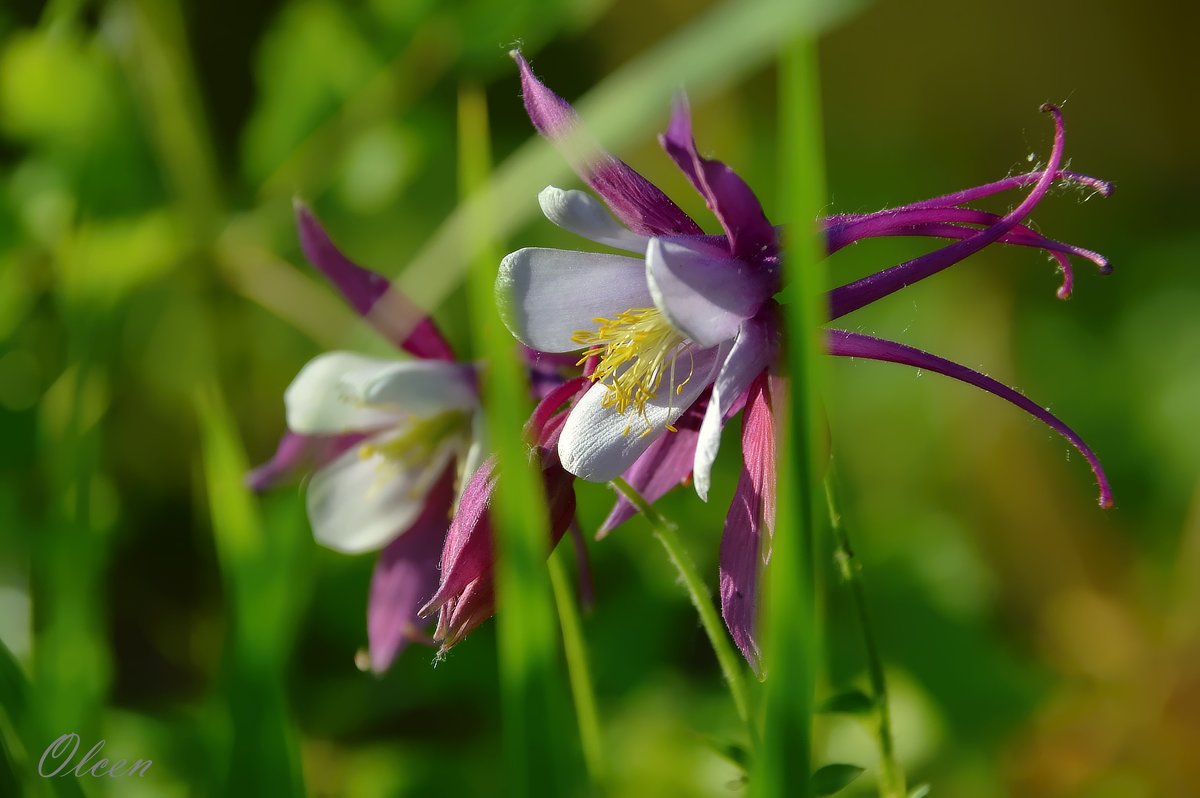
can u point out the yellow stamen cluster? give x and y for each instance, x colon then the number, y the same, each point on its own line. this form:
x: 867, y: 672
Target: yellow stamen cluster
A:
x: 637, y: 349
x: 420, y: 440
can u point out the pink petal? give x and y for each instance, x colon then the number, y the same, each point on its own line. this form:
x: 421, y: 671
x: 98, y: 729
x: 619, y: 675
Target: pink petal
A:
x: 746, y: 543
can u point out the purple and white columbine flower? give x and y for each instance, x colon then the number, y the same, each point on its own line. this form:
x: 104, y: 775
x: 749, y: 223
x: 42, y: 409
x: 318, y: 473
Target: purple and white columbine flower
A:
x: 688, y: 328
x: 388, y: 441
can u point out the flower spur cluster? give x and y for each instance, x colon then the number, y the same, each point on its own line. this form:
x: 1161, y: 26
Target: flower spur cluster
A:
x: 638, y: 361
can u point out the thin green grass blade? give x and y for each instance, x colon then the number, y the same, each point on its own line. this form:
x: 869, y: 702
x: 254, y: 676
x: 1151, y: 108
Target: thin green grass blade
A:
x: 534, y: 735
x: 15, y: 700
x: 791, y: 632
x: 578, y: 670
x: 265, y: 757
x: 71, y: 658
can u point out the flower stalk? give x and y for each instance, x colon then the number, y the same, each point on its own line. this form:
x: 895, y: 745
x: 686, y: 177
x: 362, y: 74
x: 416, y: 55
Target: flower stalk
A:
x: 727, y: 658
x: 891, y: 776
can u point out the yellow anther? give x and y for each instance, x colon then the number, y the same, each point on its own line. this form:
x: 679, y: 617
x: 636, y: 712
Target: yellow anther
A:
x: 421, y: 439
x: 636, y: 350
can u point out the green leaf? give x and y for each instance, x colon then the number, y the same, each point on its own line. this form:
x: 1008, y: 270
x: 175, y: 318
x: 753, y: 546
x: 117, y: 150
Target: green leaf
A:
x: 851, y: 702
x: 920, y: 791
x: 736, y: 753
x: 834, y: 778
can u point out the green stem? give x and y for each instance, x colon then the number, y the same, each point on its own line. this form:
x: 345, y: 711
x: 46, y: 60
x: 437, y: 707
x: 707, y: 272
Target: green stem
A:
x: 578, y: 670
x: 891, y: 777
x: 727, y: 657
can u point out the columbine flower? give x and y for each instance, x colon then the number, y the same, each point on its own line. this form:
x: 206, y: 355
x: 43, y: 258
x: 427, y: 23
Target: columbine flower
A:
x: 687, y: 330
x: 389, y: 439
x: 691, y: 313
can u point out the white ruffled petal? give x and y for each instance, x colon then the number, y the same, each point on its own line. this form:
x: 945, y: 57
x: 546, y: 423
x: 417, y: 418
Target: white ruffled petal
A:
x: 547, y: 295
x: 318, y: 403
x: 594, y: 444
x: 358, y: 504
x: 417, y: 387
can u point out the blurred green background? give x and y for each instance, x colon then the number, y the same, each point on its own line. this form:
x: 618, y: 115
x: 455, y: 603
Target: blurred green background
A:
x: 154, y: 305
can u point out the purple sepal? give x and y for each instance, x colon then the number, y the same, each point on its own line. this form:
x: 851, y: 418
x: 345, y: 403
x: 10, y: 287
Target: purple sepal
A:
x: 751, y: 236
x: 583, y: 567
x: 1101, y: 187
x: 546, y: 369
x: 298, y: 454
x: 633, y: 199
x: 406, y: 575
x: 851, y: 297
x: 841, y: 231
x: 746, y: 542
x: 394, y: 315
x: 848, y: 344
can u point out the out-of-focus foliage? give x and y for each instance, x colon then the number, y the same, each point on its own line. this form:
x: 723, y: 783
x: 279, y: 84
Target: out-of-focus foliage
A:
x: 148, y: 153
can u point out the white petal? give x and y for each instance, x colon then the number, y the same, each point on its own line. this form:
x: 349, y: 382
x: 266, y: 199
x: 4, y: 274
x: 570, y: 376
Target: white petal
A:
x: 317, y: 403
x: 749, y: 356
x: 358, y: 504
x: 583, y: 215
x: 418, y: 387
x: 593, y: 444
x: 546, y: 295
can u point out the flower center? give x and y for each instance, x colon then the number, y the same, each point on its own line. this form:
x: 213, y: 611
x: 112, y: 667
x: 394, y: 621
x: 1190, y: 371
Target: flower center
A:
x: 420, y: 440
x: 637, y: 350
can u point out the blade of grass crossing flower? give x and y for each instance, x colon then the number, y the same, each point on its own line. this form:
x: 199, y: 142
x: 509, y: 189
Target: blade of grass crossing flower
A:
x: 578, y: 670
x: 791, y: 643
x: 891, y: 777
x: 534, y: 737
x: 265, y: 757
x: 728, y: 659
